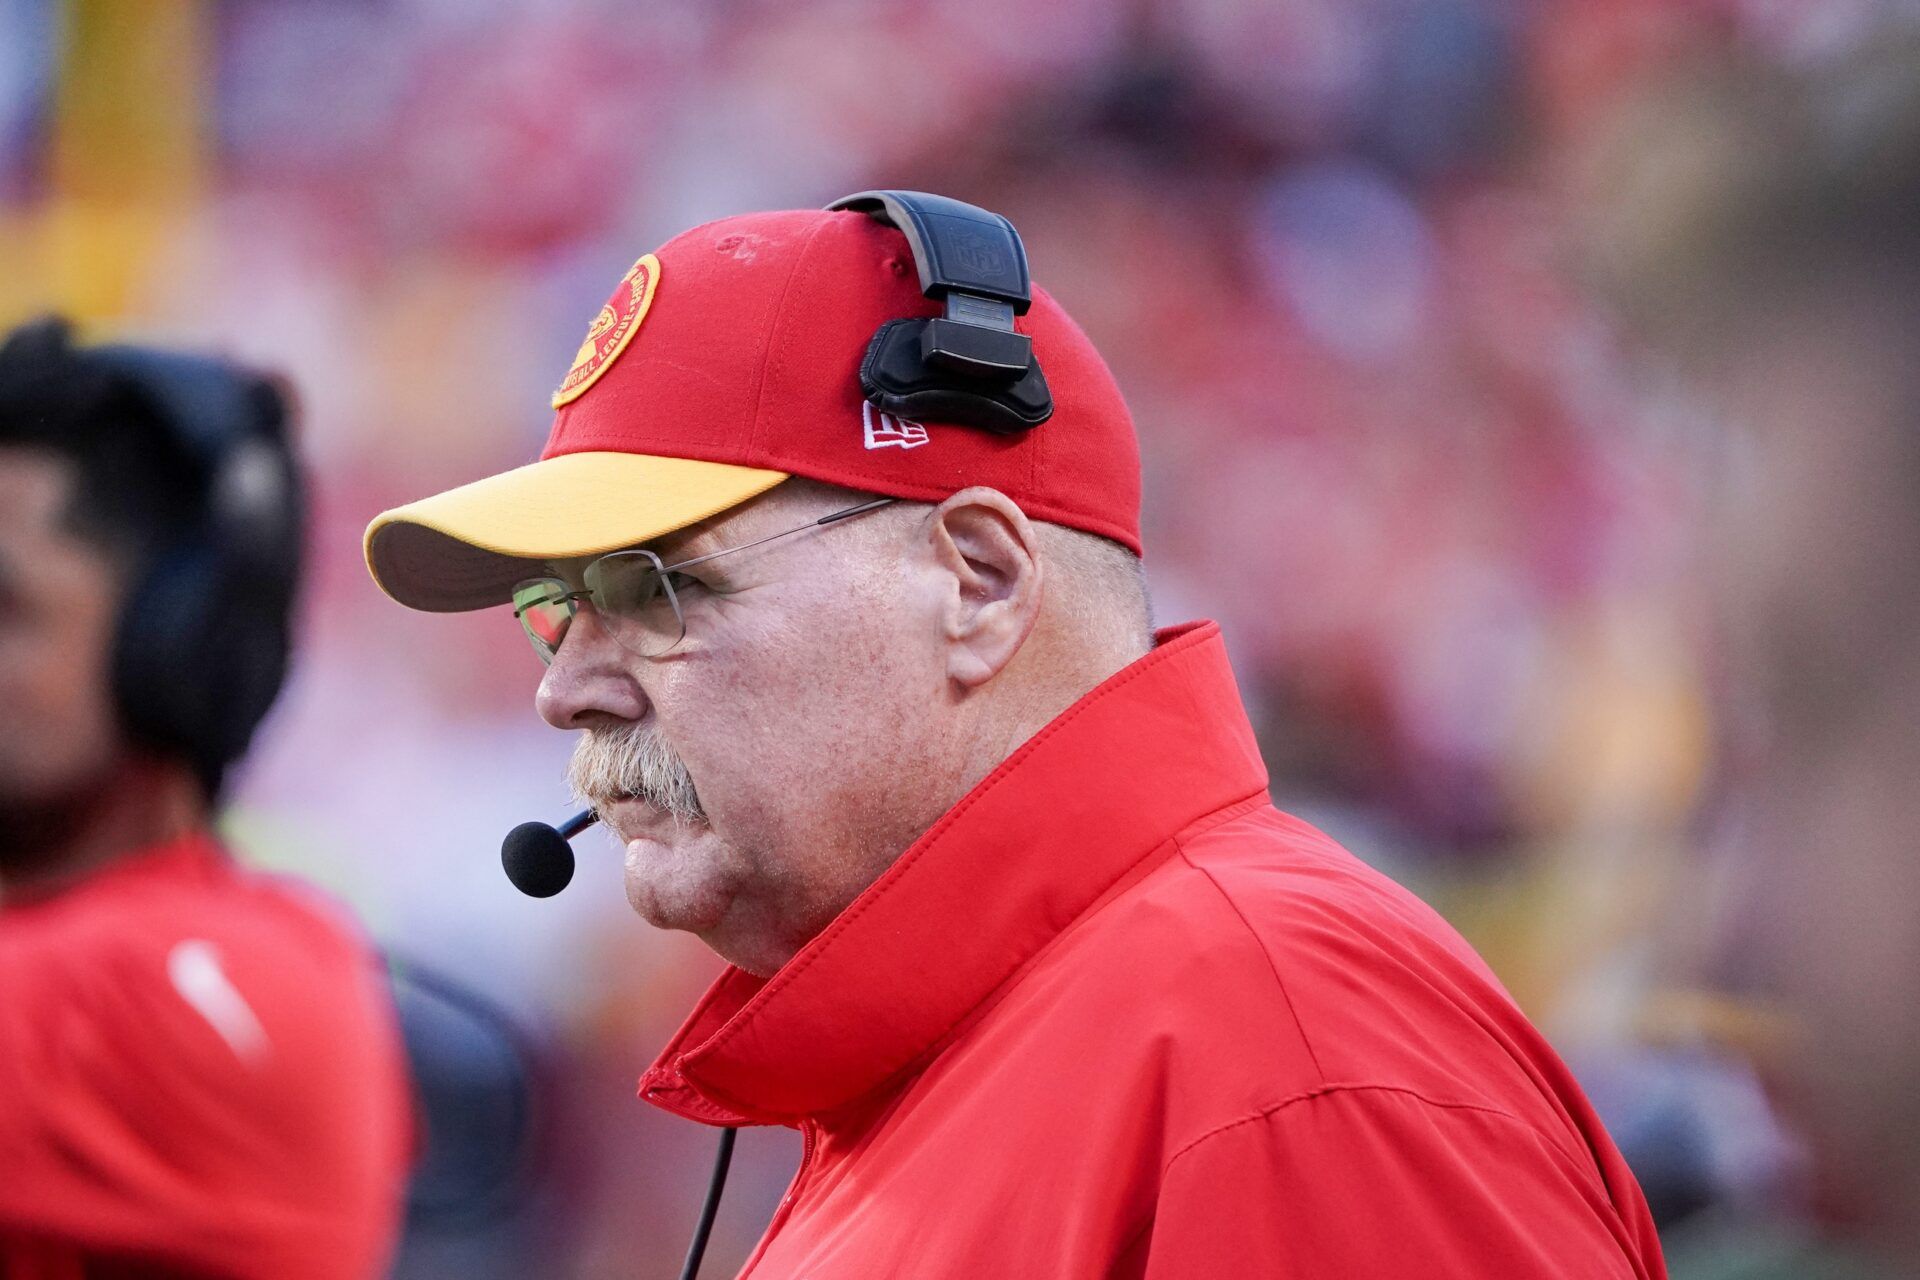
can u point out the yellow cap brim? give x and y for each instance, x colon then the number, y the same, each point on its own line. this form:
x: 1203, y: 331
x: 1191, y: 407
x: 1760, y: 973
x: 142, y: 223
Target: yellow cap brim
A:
x: 467, y: 547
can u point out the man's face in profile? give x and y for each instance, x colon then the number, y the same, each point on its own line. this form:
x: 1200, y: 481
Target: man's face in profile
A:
x: 760, y: 772
x: 58, y: 600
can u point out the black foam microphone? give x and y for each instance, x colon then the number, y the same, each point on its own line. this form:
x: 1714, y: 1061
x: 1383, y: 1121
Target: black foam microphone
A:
x: 537, y: 857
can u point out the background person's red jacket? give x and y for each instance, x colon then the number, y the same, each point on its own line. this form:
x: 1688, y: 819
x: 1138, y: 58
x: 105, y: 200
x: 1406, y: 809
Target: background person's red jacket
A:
x: 1114, y: 1015
x: 200, y: 1073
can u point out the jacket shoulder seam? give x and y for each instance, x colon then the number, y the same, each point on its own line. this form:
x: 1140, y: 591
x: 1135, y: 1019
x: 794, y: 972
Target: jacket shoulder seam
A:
x: 1309, y: 1095
x: 1279, y: 982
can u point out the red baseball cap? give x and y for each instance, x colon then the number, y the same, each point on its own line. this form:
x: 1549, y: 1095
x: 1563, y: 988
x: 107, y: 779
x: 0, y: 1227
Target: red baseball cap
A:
x: 729, y: 361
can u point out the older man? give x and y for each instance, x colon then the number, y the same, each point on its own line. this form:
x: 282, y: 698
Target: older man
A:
x: 1017, y: 941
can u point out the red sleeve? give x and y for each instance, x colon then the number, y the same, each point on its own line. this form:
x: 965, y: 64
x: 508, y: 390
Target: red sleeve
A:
x: 224, y: 1099
x: 1362, y: 1183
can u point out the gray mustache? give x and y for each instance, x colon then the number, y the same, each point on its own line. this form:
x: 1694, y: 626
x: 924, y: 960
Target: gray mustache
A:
x: 633, y: 761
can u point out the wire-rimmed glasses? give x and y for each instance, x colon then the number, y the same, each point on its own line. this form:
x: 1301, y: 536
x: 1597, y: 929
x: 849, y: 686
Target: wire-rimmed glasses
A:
x: 632, y: 593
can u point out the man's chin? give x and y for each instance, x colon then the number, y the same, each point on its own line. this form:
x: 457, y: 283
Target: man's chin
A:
x: 679, y: 882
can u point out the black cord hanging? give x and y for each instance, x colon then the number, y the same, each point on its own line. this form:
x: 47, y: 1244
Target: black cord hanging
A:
x: 711, y: 1208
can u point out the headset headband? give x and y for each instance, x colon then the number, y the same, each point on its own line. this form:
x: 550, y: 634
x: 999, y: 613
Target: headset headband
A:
x: 968, y: 366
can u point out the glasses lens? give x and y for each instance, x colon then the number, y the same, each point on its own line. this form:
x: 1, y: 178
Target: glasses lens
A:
x: 636, y: 601
x: 544, y: 609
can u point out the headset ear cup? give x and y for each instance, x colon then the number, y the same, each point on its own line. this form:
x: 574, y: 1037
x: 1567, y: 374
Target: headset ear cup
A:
x: 253, y: 656
x: 896, y: 379
x: 156, y: 673
x: 202, y: 643
x: 197, y: 662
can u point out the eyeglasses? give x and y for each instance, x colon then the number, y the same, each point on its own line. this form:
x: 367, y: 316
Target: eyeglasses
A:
x: 633, y: 594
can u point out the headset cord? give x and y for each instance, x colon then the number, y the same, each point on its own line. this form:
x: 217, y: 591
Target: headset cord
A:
x: 698, y: 1248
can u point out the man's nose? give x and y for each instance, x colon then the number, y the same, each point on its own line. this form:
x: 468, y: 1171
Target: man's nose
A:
x: 590, y: 678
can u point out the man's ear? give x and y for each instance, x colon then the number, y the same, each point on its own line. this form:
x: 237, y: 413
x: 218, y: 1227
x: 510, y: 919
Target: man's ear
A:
x: 987, y: 561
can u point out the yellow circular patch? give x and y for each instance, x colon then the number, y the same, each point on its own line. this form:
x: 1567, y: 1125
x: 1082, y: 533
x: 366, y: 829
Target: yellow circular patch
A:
x: 612, y: 329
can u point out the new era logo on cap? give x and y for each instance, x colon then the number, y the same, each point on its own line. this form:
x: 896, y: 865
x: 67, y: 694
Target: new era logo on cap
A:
x: 883, y: 430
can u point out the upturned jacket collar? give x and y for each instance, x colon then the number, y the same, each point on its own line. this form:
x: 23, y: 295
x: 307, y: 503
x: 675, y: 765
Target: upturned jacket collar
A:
x: 1086, y: 802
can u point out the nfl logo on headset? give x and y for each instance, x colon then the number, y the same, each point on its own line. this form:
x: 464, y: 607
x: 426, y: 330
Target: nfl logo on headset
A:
x: 977, y: 253
x: 884, y: 431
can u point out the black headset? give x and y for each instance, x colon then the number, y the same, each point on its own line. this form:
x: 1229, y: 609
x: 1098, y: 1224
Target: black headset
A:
x: 205, y: 629
x: 967, y: 366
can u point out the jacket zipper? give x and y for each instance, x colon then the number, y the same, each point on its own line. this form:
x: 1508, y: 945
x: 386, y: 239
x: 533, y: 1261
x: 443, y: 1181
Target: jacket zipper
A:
x: 808, y: 1140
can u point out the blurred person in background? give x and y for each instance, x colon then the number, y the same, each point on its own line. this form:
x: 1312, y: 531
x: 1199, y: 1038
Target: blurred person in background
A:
x: 200, y: 1073
x: 1762, y: 232
x: 1017, y: 940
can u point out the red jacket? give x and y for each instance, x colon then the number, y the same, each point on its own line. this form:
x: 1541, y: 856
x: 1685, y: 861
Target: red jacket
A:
x: 199, y: 1072
x: 1116, y: 1016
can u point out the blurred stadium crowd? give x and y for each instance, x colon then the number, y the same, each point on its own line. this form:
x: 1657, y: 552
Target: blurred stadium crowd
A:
x: 1325, y: 244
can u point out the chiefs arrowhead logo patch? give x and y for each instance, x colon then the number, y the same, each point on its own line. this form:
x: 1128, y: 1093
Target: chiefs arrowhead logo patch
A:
x: 612, y: 329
